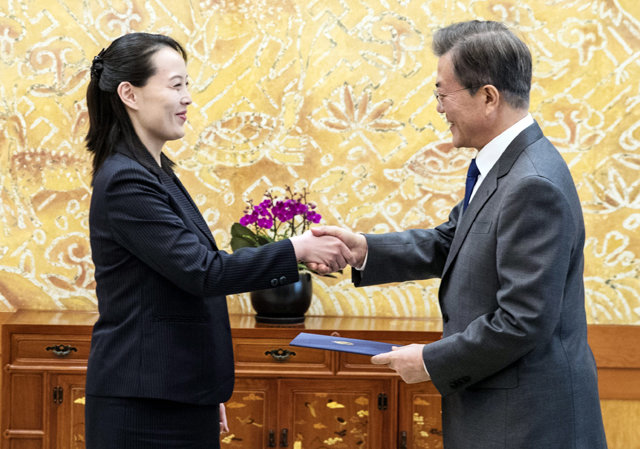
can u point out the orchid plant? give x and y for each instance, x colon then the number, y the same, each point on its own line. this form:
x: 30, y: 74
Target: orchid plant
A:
x: 274, y: 219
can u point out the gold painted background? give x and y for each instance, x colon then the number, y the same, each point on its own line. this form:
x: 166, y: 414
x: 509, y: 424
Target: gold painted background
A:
x: 333, y: 95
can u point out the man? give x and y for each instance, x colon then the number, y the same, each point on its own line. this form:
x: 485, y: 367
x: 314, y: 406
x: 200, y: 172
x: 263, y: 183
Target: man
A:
x: 513, y: 365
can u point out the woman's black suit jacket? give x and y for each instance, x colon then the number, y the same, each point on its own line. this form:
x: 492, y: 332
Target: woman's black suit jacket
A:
x: 163, y: 330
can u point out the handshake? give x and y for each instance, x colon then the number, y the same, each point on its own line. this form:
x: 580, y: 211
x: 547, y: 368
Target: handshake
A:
x: 327, y: 249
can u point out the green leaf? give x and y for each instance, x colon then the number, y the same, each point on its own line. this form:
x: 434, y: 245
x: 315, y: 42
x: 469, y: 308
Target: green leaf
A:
x: 263, y: 240
x: 243, y: 237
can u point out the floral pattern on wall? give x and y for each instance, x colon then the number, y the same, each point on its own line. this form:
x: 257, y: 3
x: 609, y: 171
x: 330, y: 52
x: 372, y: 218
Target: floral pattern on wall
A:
x: 334, y: 96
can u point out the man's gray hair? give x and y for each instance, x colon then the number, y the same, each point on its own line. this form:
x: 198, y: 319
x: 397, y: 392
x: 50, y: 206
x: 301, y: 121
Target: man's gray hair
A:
x: 487, y: 52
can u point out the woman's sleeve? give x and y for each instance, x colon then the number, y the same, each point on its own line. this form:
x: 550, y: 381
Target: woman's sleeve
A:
x: 142, y: 220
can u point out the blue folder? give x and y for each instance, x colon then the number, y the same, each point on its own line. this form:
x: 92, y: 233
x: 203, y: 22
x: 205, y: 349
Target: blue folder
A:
x: 331, y: 343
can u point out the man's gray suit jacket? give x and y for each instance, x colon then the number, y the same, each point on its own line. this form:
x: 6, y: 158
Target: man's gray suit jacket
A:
x: 514, y: 367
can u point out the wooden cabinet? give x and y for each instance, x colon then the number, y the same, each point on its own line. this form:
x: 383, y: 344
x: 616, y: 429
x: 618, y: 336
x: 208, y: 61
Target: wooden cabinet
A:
x: 306, y: 398
x: 284, y: 396
x: 310, y: 413
x: 419, y: 417
x: 296, y: 397
x: 67, y: 421
x: 249, y: 413
x: 352, y: 413
x: 43, y: 381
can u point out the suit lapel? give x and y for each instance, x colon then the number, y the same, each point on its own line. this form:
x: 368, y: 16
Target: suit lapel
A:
x: 489, y: 186
x: 174, y: 188
x: 188, y: 207
x: 195, y: 215
x: 486, y: 189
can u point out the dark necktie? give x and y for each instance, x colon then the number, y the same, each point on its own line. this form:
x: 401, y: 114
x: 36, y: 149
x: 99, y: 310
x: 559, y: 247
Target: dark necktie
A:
x: 472, y: 177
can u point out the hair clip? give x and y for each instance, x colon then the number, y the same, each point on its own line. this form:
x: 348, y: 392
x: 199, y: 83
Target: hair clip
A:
x: 97, y: 65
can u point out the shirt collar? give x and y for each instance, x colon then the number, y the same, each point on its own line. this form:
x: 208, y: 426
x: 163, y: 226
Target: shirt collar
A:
x: 491, y: 152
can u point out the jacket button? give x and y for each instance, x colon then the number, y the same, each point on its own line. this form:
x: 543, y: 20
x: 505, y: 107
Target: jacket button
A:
x: 283, y: 280
x: 445, y: 317
x: 274, y: 282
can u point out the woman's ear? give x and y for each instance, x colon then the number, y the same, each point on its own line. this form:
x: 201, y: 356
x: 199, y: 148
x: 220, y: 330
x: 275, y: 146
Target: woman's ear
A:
x: 127, y: 95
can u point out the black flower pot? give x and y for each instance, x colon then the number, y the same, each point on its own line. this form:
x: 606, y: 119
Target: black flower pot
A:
x: 285, y: 304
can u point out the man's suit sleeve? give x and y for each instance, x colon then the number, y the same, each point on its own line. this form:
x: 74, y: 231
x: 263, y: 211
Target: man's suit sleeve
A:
x: 406, y: 256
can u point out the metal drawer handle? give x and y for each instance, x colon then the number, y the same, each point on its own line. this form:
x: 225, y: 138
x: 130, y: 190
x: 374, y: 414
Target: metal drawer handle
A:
x: 280, y: 355
x: 61, y: 350
x: 403, y: 440
x: 272, y: 439
x: 284, y: 441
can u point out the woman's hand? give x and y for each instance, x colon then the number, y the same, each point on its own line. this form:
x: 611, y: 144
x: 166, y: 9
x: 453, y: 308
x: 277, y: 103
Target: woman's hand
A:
x: 224, y: 426
x: 327, y: 251
x: 357, y: 244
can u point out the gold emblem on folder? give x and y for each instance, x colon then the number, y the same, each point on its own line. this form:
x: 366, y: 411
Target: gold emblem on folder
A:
x: 342, y: 342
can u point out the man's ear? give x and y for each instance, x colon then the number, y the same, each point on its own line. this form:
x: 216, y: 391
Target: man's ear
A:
x: 491, y: 96
x: 127, y: 95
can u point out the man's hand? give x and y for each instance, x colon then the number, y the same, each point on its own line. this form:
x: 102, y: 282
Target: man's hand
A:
x: 325, y: 251
x: 406, y: 361
x: 357, y: 244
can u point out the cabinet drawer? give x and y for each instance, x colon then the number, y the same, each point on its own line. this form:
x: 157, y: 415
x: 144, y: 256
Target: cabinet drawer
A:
x: 357, y: 364
x: 31, y: 349
x: 277, y: 356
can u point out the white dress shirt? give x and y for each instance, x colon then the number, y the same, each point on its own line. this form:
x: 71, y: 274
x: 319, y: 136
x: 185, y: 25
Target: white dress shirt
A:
x: 491, y: 152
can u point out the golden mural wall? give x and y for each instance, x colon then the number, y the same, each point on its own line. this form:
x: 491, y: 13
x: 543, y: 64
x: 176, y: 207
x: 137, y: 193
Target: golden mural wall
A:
x: 332, y: 95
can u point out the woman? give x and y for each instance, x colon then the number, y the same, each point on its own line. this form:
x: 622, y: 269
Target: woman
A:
x: 161, y: 361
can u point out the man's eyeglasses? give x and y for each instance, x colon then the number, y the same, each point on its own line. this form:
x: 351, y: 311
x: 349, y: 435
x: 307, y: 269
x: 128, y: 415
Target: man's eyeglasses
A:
x: 440, y: 95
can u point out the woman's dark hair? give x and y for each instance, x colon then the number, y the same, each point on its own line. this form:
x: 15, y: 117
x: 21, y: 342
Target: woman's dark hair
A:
x: 487, y: 53
x: 128, y: 58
